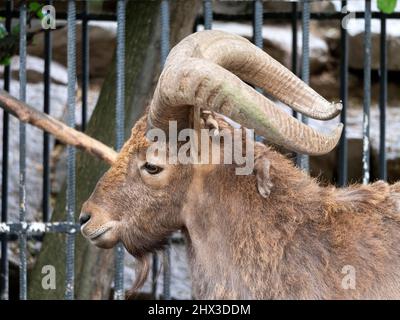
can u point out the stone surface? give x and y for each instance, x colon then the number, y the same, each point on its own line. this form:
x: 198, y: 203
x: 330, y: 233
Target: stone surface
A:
x: 356, y: 43
x: 34, y: 146
x: 326, y: 166
x: 101, y: 46
x: 355, y: 29
x: 246, y: 7
x: 278, y: 43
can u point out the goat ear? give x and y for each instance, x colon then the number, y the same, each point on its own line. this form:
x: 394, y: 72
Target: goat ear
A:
x: 262, y: 172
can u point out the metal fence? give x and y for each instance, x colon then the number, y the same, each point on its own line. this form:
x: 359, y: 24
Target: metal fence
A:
x: 300, y: 11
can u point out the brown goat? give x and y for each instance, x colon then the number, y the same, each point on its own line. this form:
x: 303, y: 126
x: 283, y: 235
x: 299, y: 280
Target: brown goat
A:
x: 272, y: 234
x: 295, y: 243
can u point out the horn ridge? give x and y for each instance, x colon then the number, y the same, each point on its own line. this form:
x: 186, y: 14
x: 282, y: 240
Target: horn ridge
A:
x: 209, y: 69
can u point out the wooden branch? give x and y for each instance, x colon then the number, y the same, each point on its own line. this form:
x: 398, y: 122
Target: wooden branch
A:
x: 62, y: 132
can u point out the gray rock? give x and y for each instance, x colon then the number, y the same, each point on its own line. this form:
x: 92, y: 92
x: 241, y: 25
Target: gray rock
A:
x: 246, y: 7
x: 101, y: 46
x: 356, y: 47
x: 278, y: 43
x: 34, y: 146
x: 326, y: 166
x: 355, y: 29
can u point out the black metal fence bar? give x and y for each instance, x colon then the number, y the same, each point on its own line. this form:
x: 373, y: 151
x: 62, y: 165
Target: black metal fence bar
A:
x: 22, y: 152
x: 119, y: 130
x: 38, y: 228
x: 85, y: 64
x: 165, y: 30
x: 258, y: 23
x: 367, y: 93
x: 64, y: 15
x: 165, y: 45
x: 46, y: 109
x: 294, y: 43
x: 71, y: 161
x: 257, y: 27
x: 344, y: 62
x: 382, y: 101
x: 208, y: 14
x: 303, y: 161
x: 4, y: 171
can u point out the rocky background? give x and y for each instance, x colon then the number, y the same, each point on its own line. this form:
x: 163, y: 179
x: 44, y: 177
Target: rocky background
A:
x: 324, y: 63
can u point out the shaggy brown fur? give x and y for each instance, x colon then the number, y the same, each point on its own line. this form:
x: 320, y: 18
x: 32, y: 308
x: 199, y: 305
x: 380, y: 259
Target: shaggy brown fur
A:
x: 293, y: 244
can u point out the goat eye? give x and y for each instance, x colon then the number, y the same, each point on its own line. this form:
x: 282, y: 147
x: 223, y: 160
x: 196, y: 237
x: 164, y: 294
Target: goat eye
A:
x: 151, y: 168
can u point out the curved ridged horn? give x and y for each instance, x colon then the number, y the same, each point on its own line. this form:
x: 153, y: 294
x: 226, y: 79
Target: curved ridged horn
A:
x: 204, y: 70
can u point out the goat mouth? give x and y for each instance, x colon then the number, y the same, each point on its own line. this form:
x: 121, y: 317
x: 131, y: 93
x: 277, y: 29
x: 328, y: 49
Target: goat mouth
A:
x: 98, y: 233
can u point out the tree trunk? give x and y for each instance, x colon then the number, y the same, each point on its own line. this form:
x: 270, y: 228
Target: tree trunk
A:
x: 94, y: 267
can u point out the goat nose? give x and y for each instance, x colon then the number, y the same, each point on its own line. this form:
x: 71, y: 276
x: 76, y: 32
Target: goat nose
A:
x: 83, y: 218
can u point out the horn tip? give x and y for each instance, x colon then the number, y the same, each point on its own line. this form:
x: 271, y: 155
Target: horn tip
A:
x: 338, y: 106
x: 335, y: 109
